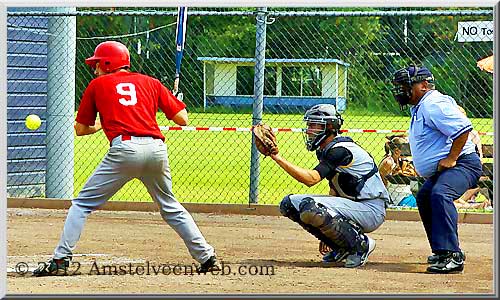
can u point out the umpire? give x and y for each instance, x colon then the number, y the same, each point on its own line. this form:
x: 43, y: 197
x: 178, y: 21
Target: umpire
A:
x: 444, y: 156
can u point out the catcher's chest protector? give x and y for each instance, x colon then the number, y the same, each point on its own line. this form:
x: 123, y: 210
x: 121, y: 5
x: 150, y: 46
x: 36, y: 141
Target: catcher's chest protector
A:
x: 360, y: 179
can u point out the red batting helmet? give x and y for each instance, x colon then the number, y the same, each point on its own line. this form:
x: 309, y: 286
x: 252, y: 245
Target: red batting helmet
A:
x: 110, y: 55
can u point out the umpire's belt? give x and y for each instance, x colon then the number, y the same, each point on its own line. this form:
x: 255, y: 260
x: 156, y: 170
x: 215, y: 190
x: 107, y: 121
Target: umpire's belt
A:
x: 119, y: 139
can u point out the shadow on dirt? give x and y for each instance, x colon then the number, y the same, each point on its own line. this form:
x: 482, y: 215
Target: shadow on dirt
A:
x: 400, y: 267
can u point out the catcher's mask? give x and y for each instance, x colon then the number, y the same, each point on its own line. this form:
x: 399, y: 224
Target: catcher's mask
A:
x: 110, y: 55
x: 405, y: 78
x: 322, y: 120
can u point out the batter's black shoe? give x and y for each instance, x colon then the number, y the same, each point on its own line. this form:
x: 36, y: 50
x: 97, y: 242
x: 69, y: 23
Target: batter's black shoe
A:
x: 434, y: 258
x: 210, y: 265
x: 53, y: 267
x: 451, y: 262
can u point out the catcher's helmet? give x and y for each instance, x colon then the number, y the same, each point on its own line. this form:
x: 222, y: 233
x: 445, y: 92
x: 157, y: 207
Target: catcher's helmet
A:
x: 110, y: 55
x: 321, y: 114
x: 404, y: 78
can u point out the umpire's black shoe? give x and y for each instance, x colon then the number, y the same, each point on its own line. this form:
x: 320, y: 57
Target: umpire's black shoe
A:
x: 210, y: 264
x: 434, y: 258
x: 53, y: 267
x: 452, y: 262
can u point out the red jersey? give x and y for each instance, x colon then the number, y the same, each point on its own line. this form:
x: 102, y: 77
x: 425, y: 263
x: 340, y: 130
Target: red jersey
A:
x: 127, y: 103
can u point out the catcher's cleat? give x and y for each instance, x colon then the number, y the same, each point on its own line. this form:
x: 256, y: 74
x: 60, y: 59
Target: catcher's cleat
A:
x: 53, y: 267
x: 330, y: 254
x: 451, y: 262
x: 210, y: 265
x: 434, y: 258
x: 360, y: 259
x: 335, y: 256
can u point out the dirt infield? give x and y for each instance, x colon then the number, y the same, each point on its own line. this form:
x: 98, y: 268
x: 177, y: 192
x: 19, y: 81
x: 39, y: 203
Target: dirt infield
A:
x: 283, y: 256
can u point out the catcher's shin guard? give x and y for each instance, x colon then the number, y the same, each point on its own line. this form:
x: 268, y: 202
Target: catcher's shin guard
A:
x: 342, y: 231
x: 288, y: 210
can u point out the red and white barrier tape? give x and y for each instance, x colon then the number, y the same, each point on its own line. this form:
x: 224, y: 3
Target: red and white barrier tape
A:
x: 247, y: 129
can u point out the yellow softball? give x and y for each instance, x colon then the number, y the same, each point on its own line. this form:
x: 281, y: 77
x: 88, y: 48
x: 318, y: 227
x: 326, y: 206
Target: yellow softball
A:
x: 33, y: 122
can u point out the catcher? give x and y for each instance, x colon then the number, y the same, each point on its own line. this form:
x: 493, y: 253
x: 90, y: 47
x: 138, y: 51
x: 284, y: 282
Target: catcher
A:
x: 356, y: 202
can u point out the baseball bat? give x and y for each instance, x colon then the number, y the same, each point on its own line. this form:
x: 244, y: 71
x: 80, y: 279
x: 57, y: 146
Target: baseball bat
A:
x: 180, y: 38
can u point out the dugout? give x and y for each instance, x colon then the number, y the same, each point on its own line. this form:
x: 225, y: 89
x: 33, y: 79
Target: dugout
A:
x: 289, y: 83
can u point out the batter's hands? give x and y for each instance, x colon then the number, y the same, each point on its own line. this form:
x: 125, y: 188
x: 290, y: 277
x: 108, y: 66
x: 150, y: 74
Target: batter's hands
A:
x: 446, y: 163
x: 82, y: 129
x: 175, y: 90
x: 97, y: 125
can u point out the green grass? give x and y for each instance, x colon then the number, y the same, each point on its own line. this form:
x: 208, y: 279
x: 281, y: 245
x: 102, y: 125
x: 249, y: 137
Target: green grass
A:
x: 213, y: 167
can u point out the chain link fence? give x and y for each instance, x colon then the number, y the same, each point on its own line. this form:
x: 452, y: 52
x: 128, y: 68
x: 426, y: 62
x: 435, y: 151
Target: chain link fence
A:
x: 341, y: 56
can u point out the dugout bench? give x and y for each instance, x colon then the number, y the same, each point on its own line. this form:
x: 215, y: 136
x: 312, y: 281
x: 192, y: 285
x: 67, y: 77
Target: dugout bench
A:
x: 486, y: 180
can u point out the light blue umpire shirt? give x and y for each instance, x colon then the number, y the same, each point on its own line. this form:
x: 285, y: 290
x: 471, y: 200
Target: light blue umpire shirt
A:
x: 435, y: 122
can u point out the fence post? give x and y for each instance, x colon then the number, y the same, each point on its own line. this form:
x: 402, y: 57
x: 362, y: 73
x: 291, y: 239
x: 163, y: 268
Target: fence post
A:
x: 258, y: 99
x: 60, y: 104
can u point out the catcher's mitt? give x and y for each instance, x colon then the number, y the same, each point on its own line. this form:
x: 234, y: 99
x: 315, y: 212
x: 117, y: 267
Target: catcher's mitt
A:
x: 265, y: 140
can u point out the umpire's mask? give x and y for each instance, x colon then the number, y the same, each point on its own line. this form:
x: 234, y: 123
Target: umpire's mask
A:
x: 317, y: 119
x: 403, y: 80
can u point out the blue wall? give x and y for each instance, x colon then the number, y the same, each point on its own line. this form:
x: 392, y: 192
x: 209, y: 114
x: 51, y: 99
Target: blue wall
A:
x: 26, y: 94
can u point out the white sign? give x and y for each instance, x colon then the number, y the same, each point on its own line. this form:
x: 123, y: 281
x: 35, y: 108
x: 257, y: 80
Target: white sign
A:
x: 476, y: 31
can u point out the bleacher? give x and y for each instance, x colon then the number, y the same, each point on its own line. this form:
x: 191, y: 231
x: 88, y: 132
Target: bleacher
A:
x: 486, y: 181
x: 222, y: 86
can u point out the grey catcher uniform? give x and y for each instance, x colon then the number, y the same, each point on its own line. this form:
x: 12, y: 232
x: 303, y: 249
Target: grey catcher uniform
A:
x: 357, y: 199
x: 368, y: 210
x: 127, y: 103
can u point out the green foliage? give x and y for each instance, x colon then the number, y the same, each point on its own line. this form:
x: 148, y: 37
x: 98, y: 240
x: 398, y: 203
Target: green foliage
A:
x: 373, y: 46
